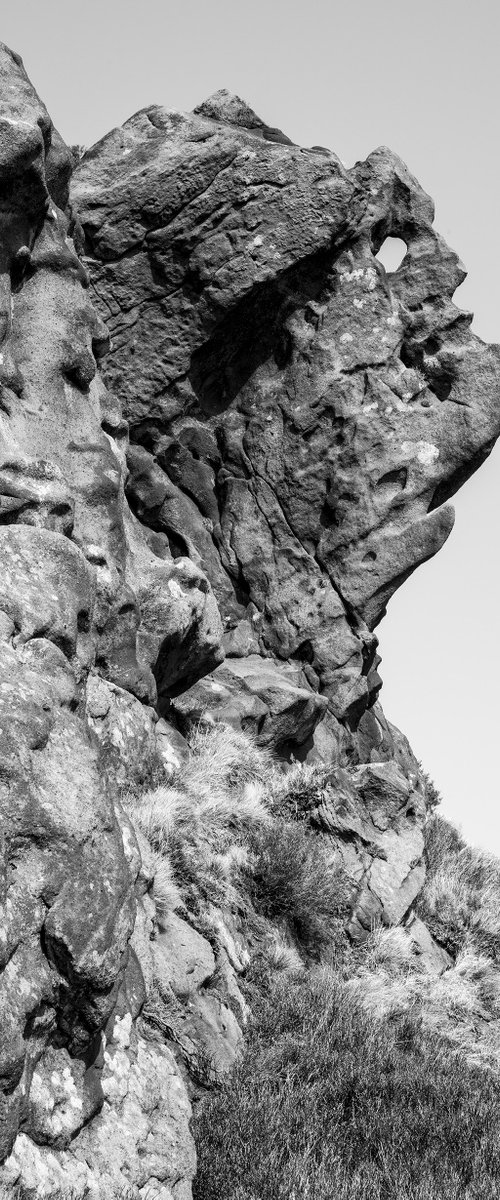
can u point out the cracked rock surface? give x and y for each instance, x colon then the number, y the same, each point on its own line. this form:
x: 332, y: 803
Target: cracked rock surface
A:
x: 226, y: 437
x: 298, y: 417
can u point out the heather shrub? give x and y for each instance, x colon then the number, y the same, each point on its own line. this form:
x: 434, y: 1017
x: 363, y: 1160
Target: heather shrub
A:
x: 292, y: 877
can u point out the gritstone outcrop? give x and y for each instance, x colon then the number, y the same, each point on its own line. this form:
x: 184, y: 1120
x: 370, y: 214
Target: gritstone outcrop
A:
x: 203, y: 520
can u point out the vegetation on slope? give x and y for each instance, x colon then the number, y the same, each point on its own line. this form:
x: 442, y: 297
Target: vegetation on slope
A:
x: 331, y: 1101
x: 365, y: 1077
x: 219, y: 833
x: 461, y: 899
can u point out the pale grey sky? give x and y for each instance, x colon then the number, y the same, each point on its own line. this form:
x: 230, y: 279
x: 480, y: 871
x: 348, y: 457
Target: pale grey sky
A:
x: 423, y: 79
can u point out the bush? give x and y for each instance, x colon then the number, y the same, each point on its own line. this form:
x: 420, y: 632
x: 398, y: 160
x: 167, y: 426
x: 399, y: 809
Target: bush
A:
x: 213, y: 838
x: 330, y: 1103
x: 292, y: 877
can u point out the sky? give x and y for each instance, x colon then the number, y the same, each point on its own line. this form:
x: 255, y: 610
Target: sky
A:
x: 423, y: 79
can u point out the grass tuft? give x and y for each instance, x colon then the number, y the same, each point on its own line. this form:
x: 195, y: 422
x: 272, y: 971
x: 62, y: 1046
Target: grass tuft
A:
x: 460, y: 901
x: 199, y: 822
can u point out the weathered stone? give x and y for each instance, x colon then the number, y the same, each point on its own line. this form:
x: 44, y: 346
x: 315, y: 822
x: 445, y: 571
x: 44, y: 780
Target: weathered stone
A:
x: 64, y: 1094
x: 375, y: 817
x: 183, y: 959
x: 46, y: 588
x: 433, y: 958
x: 124, y: 728
x: 273, y: 703
x: 214, y: 1033
x: 71, y: 891
x: 71, y: 673
x: 134, y: 741
x: 141, y: 1133
x: 172, y: 749
x: 303, y: 415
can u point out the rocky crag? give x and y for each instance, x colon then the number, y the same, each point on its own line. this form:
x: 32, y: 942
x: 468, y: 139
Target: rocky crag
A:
x: 227, y: 436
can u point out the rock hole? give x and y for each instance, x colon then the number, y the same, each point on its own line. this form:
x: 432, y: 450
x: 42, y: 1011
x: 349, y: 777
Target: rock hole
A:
x: 61, y: 510
x: 79, y: 369
x: 179, y: 547
x: 441, y: 385
x: 20, y: 268
x: 393, y: 481
x: 283, y: 351
x: 305, y: 652
x: 83, y: 621
x: 391, y: 254
x: 115, y: 430
x: 100, y: 345
x: 126, y: 609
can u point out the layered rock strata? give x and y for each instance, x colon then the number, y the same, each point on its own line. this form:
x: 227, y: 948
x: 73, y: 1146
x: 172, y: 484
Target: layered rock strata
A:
x: 298, y: 420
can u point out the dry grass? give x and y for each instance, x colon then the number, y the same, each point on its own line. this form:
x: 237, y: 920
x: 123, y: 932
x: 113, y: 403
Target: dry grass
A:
x: 460, y: 901
x: 462, y: 1004
x: 295, y: 792
x: 166, y: 892
x: 361, y: 1088
x: 223, y: 759
x: 332, y: 1102
x: 217, y: 837
x: 389, y: 950
x: 198, y: 823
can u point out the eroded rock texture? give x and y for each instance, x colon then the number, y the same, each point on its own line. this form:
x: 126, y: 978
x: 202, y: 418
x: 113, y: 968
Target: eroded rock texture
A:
x: 298, y: 419
x: 298, y: 416
x: 71, y: 557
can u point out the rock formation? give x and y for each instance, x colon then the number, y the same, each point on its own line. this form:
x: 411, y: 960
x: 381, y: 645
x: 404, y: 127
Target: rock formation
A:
x: 298, y: 418
x: 201, y: 520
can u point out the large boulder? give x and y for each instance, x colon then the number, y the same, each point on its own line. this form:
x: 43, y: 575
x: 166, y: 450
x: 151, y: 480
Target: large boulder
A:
x: 274, y: 704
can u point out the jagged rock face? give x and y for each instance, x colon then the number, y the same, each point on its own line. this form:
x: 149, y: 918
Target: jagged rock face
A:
x: 299, y: 416
x: 297, y: 420
x: 374, y: 815
x: 70, y: 622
